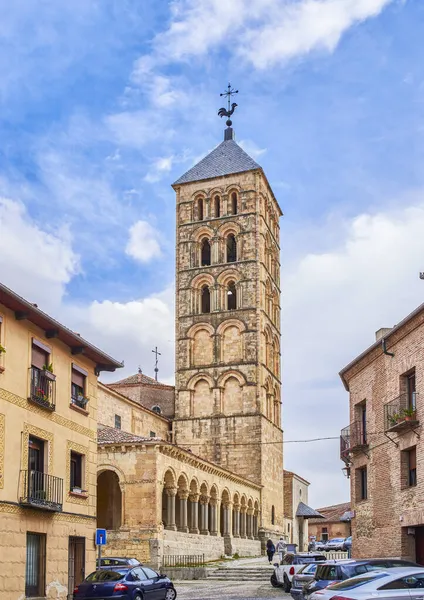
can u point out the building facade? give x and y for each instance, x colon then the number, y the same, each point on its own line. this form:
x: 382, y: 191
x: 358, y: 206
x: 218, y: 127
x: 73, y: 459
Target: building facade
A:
x: 48, y: 452
x: 296, y: 518
x: 382, y: 447
x: 335, y: 523
x: 228, y: 387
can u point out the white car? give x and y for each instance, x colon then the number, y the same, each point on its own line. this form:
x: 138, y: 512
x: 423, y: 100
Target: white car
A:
x: 396, y: 583
x: 334, y: 544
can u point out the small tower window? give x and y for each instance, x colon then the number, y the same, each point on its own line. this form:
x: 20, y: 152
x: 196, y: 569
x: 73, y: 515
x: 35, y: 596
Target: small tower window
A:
x: 273, y: 515
x: 231, y: 248
x: 206, y: 252
x: 217, y: 206
x: 200, y: 209
x: 206, y: 299
x: 157, y: 410
x: 234, y: 203
x: 231, y: 296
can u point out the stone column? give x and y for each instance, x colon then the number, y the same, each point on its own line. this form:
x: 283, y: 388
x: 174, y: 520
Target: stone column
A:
x: 170, y: 508
x: 183, y: 511
x: 204, y: 526
x: 214, y: 526
x: 194, y: 526
x: 243, y: 516
x: 236, y: 527
x: 227, y: 519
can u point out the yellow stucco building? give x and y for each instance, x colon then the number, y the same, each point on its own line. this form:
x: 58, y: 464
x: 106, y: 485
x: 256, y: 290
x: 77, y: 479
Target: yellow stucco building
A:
x: 48, y: 452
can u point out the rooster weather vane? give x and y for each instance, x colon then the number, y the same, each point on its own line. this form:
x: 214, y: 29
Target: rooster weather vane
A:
x: 227, y: 112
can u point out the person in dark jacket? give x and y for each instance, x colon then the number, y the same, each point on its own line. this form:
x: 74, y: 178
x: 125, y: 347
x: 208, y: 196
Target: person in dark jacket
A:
x: 270, y: 550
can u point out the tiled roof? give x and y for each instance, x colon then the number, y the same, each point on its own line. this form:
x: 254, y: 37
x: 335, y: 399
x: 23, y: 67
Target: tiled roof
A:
x: 305, y: 511
x: 110, y: 435
x: 333, y: 513
x: 227, y: 158
x: 137, y: 378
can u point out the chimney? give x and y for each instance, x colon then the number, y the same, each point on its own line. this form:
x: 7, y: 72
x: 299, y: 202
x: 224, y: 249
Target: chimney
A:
x: 381, y: 333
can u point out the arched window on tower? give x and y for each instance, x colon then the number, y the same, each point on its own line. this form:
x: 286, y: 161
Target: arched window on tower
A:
x: 217, y: 206
x: 231, y: 296
x: 206, y: 252
x: 231, y: 248
x: 234, y: 203
x: 200, y: 209
x: 205, y: 299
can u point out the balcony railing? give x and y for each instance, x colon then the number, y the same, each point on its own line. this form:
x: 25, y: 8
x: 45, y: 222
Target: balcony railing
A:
x: 353, y: 437
x: 42, y: 491
x: 400, y: 413
x: 43, y: 388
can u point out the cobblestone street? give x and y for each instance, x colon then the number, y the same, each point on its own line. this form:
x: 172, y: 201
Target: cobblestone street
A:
x: 231, y: 590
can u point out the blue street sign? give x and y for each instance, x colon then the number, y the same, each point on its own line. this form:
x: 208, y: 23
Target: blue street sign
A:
x: 100, y: 537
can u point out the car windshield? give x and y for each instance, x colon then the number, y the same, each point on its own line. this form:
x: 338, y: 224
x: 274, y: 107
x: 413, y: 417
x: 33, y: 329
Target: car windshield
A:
x: 350, y: 584
x: 308, y: 559
x: 309, y: 568
x: 106, y: 575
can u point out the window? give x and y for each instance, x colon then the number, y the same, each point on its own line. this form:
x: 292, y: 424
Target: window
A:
x: 234, y: 203
x: 231, y: 248
x: 153, y: 434
x: 157, y: 409
x: 78, y: 386
x: 42, y: 378
x: 362, y: 484
x: 35, y: 568
x: 205, y: 300
x: 35, y: 454
x: 200, y: 209
x: 117, y: 422
x: 139, y: 574
x: 411, y: 465
x: 410, y: 390
x: 76, y: 471
x: 231, y: 296
x: 360, y: 429
x: 273, y: 515
x: 217, y: 206
x: 150, y: 573
x: 206, y: 252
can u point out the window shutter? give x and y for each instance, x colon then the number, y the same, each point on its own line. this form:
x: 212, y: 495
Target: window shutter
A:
x: 39, y: 357
x: 413, y: 458
x: 78, y: 378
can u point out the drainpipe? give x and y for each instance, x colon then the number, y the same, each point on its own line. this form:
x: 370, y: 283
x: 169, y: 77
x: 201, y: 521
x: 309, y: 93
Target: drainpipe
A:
x: 385, y: 351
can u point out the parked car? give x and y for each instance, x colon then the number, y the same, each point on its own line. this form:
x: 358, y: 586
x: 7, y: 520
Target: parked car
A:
x: 302, y: 577
x: 125, y: 583
x: 320, y: 546
x: 398, y: 582
x: 290, y: 565
x: 347, y: 544
x: 334, y: 544
x: 117, y: 561
x: 334, y: 571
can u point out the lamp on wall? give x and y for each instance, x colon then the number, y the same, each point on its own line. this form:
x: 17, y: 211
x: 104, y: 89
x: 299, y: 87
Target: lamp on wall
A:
x: 346, y: 471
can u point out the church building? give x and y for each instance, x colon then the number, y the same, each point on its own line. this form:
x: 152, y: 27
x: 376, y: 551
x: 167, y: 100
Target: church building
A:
x: 202, y: 472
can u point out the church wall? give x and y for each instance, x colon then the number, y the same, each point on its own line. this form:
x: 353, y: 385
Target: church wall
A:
x: 212, y: 547
x: 134, y: 418
x: 150, y: 395
x: 272, y: 477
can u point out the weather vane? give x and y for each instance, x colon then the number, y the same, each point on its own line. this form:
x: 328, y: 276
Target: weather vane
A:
x: 157, y: 353
x: 231, y: 107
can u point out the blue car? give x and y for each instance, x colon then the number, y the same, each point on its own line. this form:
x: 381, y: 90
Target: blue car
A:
x: 125, y: 583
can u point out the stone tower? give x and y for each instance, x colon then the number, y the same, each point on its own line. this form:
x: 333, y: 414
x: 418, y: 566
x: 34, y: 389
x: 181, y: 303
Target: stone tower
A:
x: 228, y: 406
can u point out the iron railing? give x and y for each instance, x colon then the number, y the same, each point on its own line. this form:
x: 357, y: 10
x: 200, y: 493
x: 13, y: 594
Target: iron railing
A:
x: 352, y: 437
x: 400, y: 412
x: 40, y: 490
x: 183, y: 560
x: 80, y: 401
x: 43, y: 388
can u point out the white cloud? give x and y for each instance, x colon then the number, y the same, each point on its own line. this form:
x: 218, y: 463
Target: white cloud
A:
x: 34, y: 262
x: 251, y: 148
x: 264, y: 32
x: 143, y: 242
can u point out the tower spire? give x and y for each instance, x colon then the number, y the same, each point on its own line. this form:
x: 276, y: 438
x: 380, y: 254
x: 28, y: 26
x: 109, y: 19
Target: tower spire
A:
x: 229, y: 132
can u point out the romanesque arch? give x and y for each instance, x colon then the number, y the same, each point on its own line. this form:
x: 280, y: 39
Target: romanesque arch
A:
x: 109, y: 500
x: 201, y: 391
x: 198, y: 286
x: 201, y: 344
x: 231, y: 341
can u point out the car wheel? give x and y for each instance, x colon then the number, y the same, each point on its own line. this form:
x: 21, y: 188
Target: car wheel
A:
x: 287, y: 585
x: 274, y: 581
x: 171, y: 594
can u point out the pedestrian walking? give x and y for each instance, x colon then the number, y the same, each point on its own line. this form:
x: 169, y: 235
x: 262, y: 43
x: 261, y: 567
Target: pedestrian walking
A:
x: 281, y: 548
x: 270, y: 550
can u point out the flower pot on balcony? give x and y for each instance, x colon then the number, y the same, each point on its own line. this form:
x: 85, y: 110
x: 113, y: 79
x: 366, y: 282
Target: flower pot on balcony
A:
x: 76, y: 490
x: 48, y: 375
x: 409, y: 417
x: 82, y: 401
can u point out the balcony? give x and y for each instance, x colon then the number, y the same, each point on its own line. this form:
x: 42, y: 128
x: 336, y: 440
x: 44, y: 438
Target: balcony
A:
x: 400, y: 413
x: 43, y: 388
x: 352, y: 438
x: 41, y: 491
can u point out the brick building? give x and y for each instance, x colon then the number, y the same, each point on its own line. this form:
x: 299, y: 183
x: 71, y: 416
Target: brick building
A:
x: 382, y: 448
x: 334, y: 524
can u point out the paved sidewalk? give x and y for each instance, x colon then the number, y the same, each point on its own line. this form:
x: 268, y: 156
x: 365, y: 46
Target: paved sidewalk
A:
x: 232, y: 590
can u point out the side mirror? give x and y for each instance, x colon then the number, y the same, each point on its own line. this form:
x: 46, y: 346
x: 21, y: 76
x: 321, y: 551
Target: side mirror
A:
x: 276, y: 565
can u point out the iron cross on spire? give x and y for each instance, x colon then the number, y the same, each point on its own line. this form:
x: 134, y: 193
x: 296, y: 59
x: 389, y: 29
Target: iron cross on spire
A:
x: 157, y: 353
x: 231, y: 107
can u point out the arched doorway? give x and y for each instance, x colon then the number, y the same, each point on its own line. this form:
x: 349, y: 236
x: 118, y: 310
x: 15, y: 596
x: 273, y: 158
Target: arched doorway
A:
x: 109, y: 501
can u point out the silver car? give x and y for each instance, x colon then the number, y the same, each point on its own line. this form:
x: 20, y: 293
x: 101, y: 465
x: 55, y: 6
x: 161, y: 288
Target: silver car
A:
x: 396, y: 583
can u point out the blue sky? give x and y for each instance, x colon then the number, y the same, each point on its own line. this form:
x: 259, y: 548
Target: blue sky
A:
x: 104, y: 104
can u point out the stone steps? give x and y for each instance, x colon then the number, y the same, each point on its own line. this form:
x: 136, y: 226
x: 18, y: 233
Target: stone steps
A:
x: 239, y: 574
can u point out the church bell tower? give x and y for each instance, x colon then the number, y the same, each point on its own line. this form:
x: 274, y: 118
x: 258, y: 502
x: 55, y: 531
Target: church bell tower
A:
x: 228, y: 400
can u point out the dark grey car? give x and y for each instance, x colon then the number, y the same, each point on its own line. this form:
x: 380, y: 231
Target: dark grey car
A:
x: 302, y: 577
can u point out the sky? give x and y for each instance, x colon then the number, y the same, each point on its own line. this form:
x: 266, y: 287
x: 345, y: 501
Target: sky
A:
x: 104, y: 104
